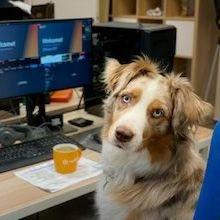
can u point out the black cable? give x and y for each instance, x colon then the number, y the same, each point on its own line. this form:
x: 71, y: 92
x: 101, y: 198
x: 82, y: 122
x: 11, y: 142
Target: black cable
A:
x: 80, y: 101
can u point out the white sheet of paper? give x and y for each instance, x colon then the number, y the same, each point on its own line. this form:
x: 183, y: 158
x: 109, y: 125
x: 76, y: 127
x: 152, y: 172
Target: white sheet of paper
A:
x: 45, y: 177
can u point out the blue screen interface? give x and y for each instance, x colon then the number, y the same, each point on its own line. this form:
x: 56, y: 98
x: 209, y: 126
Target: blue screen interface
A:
x: 38, y: 57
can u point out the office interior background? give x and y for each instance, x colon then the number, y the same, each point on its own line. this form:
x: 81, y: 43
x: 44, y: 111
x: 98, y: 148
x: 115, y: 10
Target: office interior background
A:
x: 191, y: 47
x: 196, y: 39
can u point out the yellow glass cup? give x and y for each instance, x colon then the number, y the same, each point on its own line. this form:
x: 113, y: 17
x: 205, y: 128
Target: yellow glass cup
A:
x: 66, y: 157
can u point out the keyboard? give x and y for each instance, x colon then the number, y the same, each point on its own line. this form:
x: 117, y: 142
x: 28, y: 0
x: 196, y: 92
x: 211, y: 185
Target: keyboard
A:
x: 31, y: 152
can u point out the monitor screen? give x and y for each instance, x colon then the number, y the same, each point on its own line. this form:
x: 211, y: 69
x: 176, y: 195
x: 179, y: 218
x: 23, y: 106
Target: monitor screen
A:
x: 44, y: 56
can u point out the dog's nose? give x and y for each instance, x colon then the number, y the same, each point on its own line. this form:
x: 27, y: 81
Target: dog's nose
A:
x: 123, y: 134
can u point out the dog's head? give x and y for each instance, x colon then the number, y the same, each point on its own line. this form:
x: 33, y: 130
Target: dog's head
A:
x: 146, y: 109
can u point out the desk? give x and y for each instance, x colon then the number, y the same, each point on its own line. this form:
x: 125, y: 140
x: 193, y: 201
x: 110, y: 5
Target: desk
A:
x: 51, y: 109
x: 19, y: 199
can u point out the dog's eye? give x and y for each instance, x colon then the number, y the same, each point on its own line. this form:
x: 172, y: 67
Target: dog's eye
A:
x: 157, y: 113
x: 126, y: 99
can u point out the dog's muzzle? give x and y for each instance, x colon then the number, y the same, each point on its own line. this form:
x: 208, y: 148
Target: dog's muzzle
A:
x: 123, y: 134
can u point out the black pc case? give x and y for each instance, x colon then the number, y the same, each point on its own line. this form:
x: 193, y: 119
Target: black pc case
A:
x: 124, y: 41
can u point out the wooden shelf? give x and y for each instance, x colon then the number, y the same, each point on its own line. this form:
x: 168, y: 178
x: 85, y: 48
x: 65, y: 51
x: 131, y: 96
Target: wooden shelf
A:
x: 180, y: 18
x: 144, y: 5
x: 193, y: 41
x: 183, y: 66
x: 124, y: 8
x: 150, y: 17
x: 126, y: 16
x: 174, y: 8
x: 183, y: 57
x: 156, y: 18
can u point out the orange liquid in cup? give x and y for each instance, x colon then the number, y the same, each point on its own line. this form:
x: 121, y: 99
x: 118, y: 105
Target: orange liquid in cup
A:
x: 66, y: 157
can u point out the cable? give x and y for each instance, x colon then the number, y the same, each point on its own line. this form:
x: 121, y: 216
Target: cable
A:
x: 13, y: 111
x: 80, y: 101
x: 48, y: 123
x: 77, y: 93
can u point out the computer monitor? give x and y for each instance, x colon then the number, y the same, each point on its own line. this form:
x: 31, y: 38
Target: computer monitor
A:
x: 43, y: 56
x: 37, y: 57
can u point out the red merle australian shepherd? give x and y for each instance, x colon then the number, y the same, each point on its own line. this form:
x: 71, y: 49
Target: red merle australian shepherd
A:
x: 152, y: 171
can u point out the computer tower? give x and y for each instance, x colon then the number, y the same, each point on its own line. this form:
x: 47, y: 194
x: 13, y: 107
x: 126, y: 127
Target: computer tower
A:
x: 124, y: 41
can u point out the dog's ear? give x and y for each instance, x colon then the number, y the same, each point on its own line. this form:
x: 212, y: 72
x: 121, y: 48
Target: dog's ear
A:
x: 188, y: 110
x: 118, y: 75
x: 111, y: 74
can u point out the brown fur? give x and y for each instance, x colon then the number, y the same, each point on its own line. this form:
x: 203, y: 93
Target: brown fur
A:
x: 176, y: 181
x: 159, y: 144
x: 160, y: 148
x: 189, y: 109
x: 115, y: 70
x: 176, y: 186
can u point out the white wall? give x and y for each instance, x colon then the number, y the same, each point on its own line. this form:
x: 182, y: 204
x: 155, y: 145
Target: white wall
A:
x: 72, y: 8
x: 76, y: 8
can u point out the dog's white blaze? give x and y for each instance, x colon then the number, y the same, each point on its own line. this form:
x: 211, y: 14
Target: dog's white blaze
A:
x: 125, y: 161
x: 136, y: 117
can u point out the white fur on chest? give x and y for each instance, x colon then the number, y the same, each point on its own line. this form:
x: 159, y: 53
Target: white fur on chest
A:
x: 120, y: 169
x: 122, y: 162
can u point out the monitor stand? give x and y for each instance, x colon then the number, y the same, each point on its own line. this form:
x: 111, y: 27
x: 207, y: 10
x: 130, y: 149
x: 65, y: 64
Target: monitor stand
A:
x: 35, y: 103
x: 36, y: 114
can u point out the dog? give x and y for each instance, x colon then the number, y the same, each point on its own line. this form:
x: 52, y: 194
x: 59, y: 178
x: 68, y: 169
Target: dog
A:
x: 151, y: 169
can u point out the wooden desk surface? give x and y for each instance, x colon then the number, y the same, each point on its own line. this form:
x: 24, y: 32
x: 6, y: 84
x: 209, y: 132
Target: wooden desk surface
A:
x: 20, y: 199
x: 51, y: 109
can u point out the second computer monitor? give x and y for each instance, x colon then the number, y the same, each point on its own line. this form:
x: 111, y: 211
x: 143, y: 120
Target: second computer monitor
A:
x: 42, y: 56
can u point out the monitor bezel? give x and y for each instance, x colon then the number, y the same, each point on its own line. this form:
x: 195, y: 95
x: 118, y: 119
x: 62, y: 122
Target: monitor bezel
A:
x: 34, y: 21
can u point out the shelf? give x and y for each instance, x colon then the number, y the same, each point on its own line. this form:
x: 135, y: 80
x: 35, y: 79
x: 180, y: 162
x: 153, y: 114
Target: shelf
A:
x: 151, y: 17
x: 183, y: 57
x: 124, y: 8
x: 125, y: 16
x: 181, y: 18
x: 192, y: 41
x: 156, y: 18
x: 144, y: 5
x: 174, y: 8
x: 183, y: 66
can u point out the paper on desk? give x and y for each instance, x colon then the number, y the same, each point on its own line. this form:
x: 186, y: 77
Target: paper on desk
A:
x: 45, y: 177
